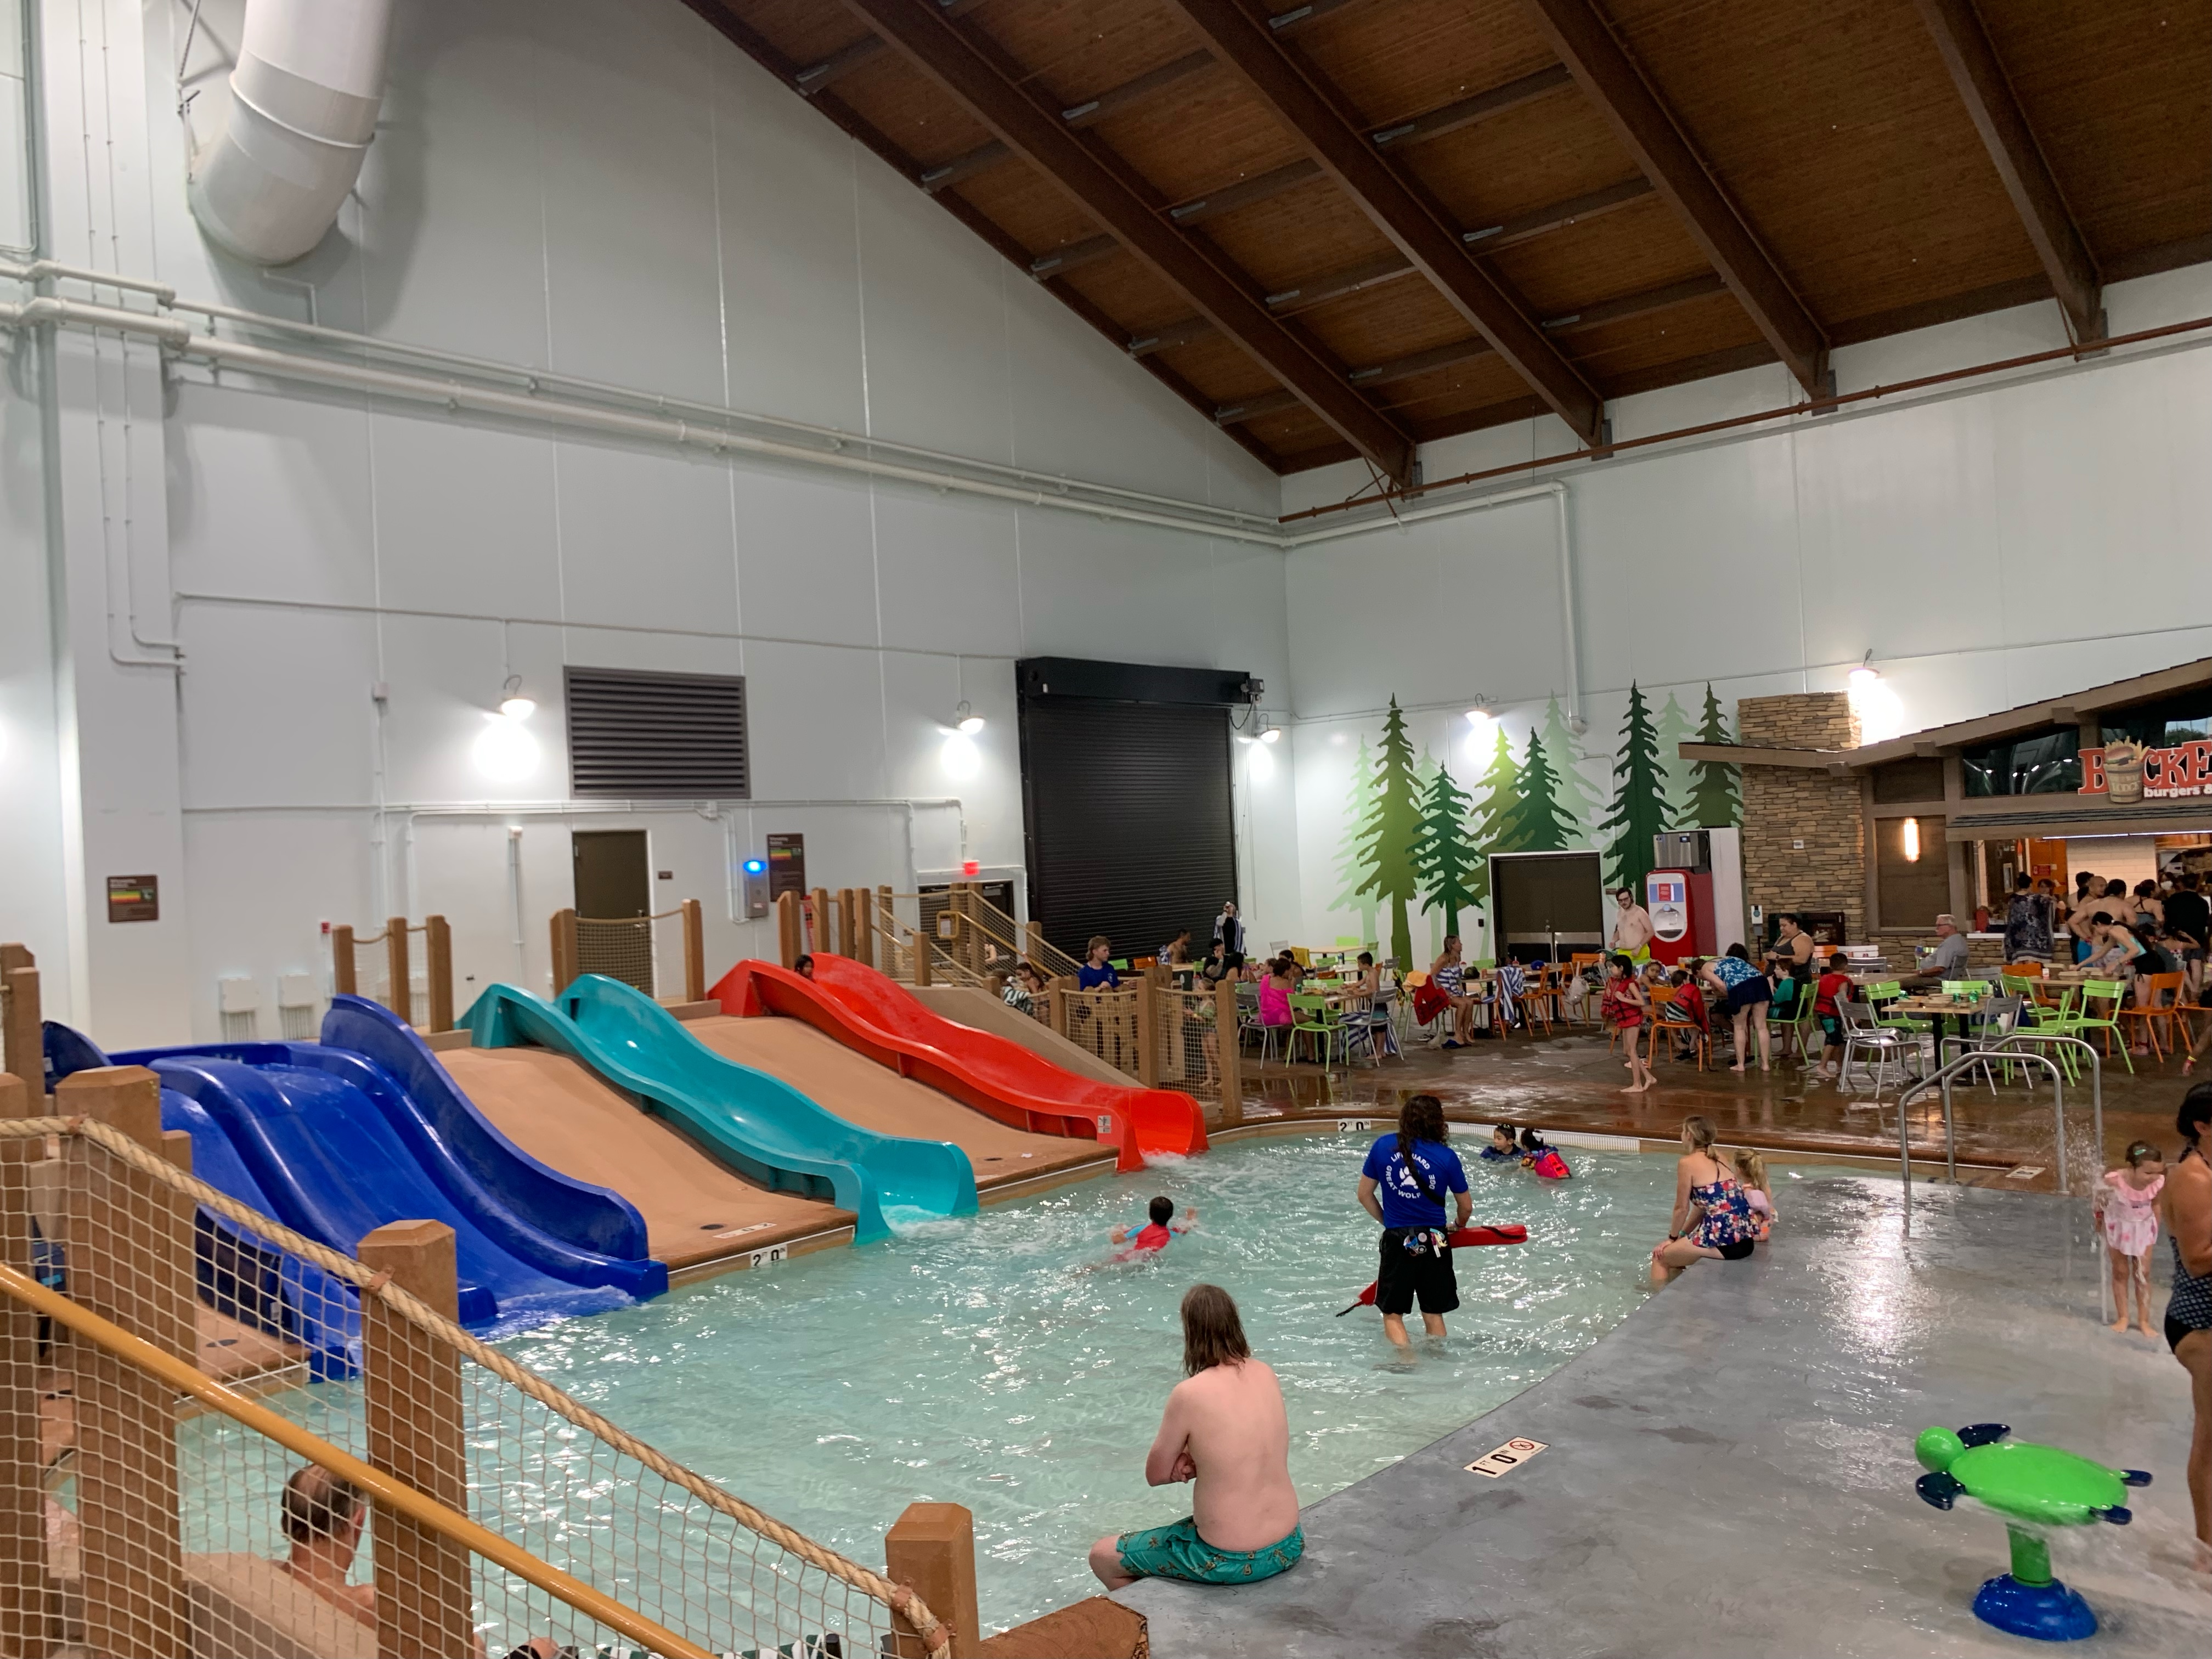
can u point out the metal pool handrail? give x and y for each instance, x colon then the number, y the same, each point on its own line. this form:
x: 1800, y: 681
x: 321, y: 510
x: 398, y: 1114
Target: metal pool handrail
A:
x: 2096, y: 1083
x: 1943, y: 1075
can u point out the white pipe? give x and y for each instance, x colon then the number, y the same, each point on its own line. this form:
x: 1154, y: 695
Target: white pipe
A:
x: 1569, y: 616
x: 303, y: 105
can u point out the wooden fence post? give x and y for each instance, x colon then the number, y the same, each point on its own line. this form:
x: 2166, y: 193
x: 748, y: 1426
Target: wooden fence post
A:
x: 883, y: 917
x: 412, y: 1387
x: 1229, y: 1039
x: 343, y: 983
x: 864, y: 926
x: 438, y: 948
x: 23, y: 1523
x: 922, y: 948
x: 1060, y: 988
x: 931, y: 1548
x: 22, y: 1040
x: 564, y: 949
x: 1148, y: 1031
x: 847, y: 933
x: 130, y: 1255
x: 695, y: 951
x: 790, y: 930
x: 819, y: 937
x: 399, y: 977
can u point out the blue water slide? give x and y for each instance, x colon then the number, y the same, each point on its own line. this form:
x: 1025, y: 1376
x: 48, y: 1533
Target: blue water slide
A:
x: 757, y: 1124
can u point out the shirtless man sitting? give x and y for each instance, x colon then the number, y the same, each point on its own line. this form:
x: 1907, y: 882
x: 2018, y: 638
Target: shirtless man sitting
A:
x: 1225, y: 1428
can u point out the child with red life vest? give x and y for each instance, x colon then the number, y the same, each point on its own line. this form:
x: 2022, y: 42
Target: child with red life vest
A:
x: 1833, y: 990
x: 1541, y: 1160
x: 1156, y: 1234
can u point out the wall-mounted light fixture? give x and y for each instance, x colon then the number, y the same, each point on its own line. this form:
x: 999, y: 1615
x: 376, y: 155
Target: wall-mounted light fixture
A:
x: 1912, y: 841
x: 1272, y: 734
x: 512, y: 703
x: 967, y: 719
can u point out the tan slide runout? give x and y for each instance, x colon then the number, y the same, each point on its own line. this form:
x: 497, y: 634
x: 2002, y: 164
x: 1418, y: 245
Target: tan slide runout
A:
x: 564, y: 1114
x: 861, y: 1091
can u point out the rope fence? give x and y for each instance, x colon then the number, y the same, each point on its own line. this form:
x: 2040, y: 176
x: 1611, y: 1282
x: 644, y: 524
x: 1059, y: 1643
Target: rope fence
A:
x: 628, y: 948
x: 221, y: 1437
x: 432, y: 1006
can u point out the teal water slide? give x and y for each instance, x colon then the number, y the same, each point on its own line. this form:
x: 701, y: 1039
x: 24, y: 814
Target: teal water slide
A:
x: 758, y: 1125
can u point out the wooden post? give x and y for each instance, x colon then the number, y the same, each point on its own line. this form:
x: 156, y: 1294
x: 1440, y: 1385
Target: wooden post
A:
x: 864, y: 926
x: 22, y: 1040
x: 848, y: 933
x: 412, y: 1387
x: 695, y: 951
x: 399, y: 978
x: 23, y: 1525
x: 1148, y: 1032
x: 438, y: 946
x: 343, y: 983
x: 883, y: 915
x: 790, y: 931
x: 564, y: 949
x: 1228, y: 1039
x: 822, y: 935
x: 1060, y: 988
x: 931, y: 1548
x: 130, y: 1255
x: 921, y: 947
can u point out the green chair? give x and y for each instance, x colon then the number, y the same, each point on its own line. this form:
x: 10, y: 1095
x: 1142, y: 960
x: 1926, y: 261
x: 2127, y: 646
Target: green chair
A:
x: 1973, y: 990
x: 1887, y: 991
x: 1317, y: 1018
x: 2083, y: 1022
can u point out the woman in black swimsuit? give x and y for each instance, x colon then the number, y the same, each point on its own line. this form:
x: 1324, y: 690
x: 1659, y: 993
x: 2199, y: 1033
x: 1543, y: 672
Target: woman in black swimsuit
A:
x: 2186, y: 1206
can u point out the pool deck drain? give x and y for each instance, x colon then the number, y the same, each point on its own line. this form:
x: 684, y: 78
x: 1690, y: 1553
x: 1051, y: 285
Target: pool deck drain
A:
x: 1731, y: 1472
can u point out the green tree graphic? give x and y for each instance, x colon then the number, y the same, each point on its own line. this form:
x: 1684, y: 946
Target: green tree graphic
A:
x: 1536, y: 823
x: 1675, y: 730
x: 1359, y: 819
x: 1639, y: 799
x: 1577, y: 798
x: 1715, y: 801
x: 1386, y: 850
x: 1499, y: 795
x: 1424, y: 776
x: 1444, y: 855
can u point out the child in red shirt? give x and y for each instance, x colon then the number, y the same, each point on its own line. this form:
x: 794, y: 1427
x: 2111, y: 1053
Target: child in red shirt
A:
x: 1156, y: 1234
x: 1834, y: 988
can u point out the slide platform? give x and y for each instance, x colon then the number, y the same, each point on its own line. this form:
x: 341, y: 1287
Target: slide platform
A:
x: 337, y: 1137
x: 867, y: 1012
x: 759, y: 1125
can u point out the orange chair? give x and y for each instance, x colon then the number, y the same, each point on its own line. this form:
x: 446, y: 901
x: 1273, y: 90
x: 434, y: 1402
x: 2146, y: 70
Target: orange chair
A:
x: 1671, y: 1031
x: 2163, y: 991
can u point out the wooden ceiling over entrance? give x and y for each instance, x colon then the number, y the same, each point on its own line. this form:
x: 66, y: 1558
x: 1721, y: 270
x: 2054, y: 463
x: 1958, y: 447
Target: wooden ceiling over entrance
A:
x: 1343, y: 227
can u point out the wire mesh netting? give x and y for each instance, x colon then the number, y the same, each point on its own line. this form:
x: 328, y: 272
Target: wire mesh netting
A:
x: 221, y: 1438
x: 1188, y: 1023
x: 1106, y: 1023
x: 619, y: 947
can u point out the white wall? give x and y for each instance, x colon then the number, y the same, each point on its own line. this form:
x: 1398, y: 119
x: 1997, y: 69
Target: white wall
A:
x: 1991, y: 545
x: 613, y: 192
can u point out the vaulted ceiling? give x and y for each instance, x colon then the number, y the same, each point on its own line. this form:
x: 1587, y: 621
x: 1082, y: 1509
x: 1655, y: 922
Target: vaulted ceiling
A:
x: 1344, y: 228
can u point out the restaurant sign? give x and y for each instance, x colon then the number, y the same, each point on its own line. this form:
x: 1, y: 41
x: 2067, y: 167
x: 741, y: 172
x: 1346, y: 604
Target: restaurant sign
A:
x: 2126, y: 771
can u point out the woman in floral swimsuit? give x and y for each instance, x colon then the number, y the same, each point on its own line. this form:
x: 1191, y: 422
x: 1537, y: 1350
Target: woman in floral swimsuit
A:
x: 1713, y: 1216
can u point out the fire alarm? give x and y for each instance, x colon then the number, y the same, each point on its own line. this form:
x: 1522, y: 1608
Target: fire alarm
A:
x: 971, y: 866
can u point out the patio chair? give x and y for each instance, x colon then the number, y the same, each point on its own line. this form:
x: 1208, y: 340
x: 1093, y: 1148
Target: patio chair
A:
x: 1373, y: 1030
x: 2158, y: 1010
x: 2082, y: 1021
x: 1864, y: 1034
x: 1315, y: 1018
x: 1672, y: 1031
x: 1886, y: 991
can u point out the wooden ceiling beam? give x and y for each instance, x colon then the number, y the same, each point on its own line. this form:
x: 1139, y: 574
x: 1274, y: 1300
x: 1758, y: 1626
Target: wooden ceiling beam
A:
x: 1965, y: 46
x: 1465, y: 112
x: 1088, y: 113
x: 1342, y: 148
x: 1104, y: 189
x: 1586, y: 44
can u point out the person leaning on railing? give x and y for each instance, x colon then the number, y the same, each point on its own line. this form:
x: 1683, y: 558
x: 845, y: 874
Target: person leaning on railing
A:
x: 1024, y: 988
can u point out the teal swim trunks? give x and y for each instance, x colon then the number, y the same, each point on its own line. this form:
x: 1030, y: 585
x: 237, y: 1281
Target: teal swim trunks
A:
x: 1177, y: 1551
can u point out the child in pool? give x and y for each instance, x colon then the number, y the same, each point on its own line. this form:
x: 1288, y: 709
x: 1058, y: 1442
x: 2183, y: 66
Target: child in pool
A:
x: 1542, y: 1159
x: 1142, y: 1241
x: 2126, y: 1216
x: 1501, y: 1149
x: 1750, y: 1175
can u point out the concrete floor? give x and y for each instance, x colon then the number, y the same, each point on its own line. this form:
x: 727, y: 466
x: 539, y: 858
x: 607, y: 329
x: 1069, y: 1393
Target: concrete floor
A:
x: 1731, y: 1471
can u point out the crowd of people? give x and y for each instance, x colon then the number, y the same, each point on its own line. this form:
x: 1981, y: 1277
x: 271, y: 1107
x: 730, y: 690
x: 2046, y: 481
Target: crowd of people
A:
x: 2157, y: 926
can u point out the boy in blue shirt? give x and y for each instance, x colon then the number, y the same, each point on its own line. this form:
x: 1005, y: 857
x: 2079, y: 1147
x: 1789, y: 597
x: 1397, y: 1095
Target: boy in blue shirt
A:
x: 1402, y: 1185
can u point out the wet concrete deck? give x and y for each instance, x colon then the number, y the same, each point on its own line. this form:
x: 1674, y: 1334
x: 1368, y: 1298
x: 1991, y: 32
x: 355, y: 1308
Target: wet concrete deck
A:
x: 1730, y: 1472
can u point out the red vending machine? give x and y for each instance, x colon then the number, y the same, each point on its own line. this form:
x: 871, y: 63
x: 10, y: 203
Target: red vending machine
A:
x: 1681, y: 906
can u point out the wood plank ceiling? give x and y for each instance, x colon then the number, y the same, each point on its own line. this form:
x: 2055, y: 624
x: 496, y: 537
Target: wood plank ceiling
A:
x: 1344, y: 228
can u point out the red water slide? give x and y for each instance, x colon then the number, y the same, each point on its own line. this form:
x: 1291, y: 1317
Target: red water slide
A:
x: 997, y: 1077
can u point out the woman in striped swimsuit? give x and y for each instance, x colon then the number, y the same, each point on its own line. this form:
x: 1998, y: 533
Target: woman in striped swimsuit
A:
x: 2186, y: 1206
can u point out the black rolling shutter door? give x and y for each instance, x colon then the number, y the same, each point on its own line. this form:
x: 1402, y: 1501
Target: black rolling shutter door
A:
x: 1130, y: 824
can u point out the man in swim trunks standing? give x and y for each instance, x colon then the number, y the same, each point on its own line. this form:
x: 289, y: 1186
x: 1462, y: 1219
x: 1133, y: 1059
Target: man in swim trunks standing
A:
x: 1631, y: 929
x: 1225, y: 1428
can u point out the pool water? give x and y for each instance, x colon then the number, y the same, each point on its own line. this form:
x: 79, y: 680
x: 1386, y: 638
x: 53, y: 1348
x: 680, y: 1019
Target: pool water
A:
x: 974, y: 1361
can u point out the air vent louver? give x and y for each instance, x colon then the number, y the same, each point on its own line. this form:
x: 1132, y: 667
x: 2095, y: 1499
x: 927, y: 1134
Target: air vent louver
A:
x: 657, y: 737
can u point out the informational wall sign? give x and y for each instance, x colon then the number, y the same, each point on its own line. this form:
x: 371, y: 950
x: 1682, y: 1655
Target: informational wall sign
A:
x: 134, y: 898
x: 786, y: 866
x: 2124, y: 772
x: 1510, y: 1455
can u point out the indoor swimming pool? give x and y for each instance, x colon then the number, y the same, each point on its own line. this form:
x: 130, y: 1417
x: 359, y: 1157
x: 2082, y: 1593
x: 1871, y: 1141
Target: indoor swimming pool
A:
x: 1002, y: 1362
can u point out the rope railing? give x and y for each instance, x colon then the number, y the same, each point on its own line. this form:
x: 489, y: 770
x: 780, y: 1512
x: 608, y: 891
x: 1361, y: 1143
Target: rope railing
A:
x: 437, y: 1010
x: 625, y: 948
x: 239, y: 1254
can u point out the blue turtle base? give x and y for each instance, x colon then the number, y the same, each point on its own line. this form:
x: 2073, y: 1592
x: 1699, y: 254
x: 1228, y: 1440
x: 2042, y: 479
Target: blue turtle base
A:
x: 2042, y: 1613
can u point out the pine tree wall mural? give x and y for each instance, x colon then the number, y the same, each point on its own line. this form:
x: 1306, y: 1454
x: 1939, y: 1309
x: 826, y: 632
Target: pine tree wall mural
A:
x: 1385, y: 848
x: 1715, y: 800
x: 1639, y: 800
x: 1535, y: 824
x: 1445, y: 856
x: 1358, y: 817
x: 1424, y: 777
x: 1674, y: 730
x: 1576, y: 799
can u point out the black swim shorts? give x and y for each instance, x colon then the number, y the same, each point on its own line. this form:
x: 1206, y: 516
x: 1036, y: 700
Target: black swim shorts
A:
x: 1407, y: 1277
x: 1737, y: 1251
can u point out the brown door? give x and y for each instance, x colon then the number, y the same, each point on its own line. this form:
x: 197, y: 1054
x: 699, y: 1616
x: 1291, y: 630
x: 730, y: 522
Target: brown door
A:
x: 614, y: 892
x: 1548, y: 905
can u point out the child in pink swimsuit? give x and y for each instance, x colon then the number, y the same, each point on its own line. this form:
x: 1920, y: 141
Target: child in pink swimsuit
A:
x: 2127, y: 1215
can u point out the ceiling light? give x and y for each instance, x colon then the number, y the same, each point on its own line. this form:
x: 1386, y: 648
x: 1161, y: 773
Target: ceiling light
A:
x: 1272, y: 734
x: 968, y: 719
x: 512, y: 703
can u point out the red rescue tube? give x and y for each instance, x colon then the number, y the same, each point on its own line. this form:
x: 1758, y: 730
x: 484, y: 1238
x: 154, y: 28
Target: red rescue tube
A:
x: 1467, y: 1238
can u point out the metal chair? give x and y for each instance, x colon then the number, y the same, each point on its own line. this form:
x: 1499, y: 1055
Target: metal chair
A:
x: 1863, y: 1033
x: 1373, y: 1029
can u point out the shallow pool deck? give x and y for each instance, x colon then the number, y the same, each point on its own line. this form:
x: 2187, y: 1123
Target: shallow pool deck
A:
x: 1731, y: 1471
